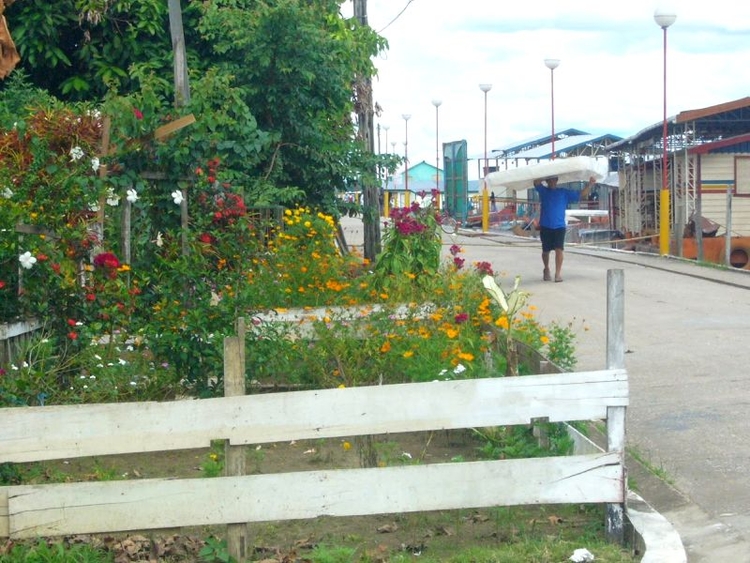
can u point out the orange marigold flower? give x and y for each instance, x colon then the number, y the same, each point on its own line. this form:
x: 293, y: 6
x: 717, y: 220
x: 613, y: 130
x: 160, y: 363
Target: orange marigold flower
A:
x: 502, y: 322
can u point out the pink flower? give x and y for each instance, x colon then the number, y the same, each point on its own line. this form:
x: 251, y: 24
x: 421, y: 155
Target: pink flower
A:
x: 138, y: 114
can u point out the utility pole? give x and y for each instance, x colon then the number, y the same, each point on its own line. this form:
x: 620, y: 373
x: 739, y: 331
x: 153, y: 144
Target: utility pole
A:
x: 365, y: 114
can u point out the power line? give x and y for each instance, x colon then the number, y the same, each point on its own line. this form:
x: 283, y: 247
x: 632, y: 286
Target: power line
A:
x: 397, y: 16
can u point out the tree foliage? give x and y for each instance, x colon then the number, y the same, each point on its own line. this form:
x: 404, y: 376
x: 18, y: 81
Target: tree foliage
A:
x: 274, y: 79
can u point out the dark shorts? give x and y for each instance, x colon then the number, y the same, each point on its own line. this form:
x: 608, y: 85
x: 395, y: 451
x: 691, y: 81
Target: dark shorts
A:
x: 552, y: 238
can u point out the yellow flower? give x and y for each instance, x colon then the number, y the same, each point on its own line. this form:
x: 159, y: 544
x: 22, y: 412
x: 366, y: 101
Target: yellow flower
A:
x: 502, y: 322
x: 347, y: 446
x: 451, y: 332
x: 408, y: 353
x: 386, y: 347
x: 544, y: 339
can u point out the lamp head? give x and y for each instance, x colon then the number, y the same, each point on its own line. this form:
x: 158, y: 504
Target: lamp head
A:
x: 485, y: 87
x: 406, y: 116
x: 664, y: 18
x: 436, y: 102
x: 552, y: 64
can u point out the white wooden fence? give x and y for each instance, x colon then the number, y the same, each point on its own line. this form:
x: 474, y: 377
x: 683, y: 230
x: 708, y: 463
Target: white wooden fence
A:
x: 56, y: 432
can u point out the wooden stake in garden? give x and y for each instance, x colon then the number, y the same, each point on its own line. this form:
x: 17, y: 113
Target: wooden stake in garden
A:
x: 234, y: 456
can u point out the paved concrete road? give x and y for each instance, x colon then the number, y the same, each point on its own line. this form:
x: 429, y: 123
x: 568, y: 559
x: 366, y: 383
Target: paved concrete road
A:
x: 687, y: 332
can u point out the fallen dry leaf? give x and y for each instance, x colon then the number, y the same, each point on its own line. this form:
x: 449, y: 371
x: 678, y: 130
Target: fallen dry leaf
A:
x: 388, y: 528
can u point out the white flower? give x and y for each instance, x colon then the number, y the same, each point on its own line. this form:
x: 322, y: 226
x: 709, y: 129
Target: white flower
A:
x: 132, y: 195
x: 93, y: 207
x: 7, y: 193
x: 95, y: 164
x: 177, y: 197
x: 460, y: 368
x: 159, y: 240
x: 113, y: 200
x: 76, y: 153
x: 27, y: 260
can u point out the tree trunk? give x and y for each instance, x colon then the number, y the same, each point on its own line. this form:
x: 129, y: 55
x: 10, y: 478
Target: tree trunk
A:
x: 365, y: 114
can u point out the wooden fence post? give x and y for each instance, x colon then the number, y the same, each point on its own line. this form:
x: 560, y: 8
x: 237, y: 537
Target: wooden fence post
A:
x: 615, y: 518
x: 234, y: 456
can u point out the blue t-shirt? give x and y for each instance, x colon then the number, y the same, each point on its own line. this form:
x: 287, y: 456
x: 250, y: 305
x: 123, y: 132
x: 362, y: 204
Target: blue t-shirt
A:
x: 554, y: 203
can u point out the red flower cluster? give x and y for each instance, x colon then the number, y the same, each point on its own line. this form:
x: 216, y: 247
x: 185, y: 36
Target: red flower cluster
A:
x: 484, y: 268
x: 107, y: 261
x: 461, y: 318
x: 406, y: 220
x: 229, y: 209
x: 213, y: 166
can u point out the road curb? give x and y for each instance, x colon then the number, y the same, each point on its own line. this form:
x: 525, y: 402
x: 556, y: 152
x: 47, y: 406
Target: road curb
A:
x: 653, y: 535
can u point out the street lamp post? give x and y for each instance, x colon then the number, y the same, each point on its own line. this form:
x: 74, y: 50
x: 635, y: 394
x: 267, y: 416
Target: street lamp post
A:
x: 485, y: 196
x: 552, y: 64
x: 406, y: 117
x: 436, y: 102
x: 664, y: 19
x: 386, y: 127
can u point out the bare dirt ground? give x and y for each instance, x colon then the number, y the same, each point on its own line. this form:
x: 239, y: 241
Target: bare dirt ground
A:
x: 375, y: 538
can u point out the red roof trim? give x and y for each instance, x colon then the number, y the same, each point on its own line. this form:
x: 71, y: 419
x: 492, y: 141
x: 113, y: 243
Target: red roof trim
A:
x: 728, y: 142
x: 693, y: 114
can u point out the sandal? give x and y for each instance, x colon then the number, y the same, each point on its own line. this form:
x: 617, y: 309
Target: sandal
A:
x: 546, y: 276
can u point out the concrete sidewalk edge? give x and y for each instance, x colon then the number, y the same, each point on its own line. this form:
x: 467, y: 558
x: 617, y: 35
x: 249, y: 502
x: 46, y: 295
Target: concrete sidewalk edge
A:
x: 654, y: 536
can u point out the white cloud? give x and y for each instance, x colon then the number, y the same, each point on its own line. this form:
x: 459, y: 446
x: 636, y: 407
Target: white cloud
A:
x: 610, y: 77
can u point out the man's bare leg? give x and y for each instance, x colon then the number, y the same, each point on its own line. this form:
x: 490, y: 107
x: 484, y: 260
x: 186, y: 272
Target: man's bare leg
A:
x: 558, y: 264
x: 545, y: 260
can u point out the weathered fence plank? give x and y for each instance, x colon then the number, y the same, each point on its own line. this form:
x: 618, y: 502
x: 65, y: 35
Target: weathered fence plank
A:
x: 49, y: 510
x: 101, y: 429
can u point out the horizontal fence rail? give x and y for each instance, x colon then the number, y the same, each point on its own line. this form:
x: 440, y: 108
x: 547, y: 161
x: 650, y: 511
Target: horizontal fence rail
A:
x: 61, y: 432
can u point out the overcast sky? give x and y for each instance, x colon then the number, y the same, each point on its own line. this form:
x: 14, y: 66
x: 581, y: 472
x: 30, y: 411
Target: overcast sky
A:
x: 610, y: 77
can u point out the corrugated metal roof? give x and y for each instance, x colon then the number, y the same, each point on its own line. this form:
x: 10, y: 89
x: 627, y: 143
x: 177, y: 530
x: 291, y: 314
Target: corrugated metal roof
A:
x: 711, y: 123
x: 577, y: 144
x: 528, y: 144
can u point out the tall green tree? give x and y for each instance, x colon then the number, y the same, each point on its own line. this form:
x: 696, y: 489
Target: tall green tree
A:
x: 292, y: 63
